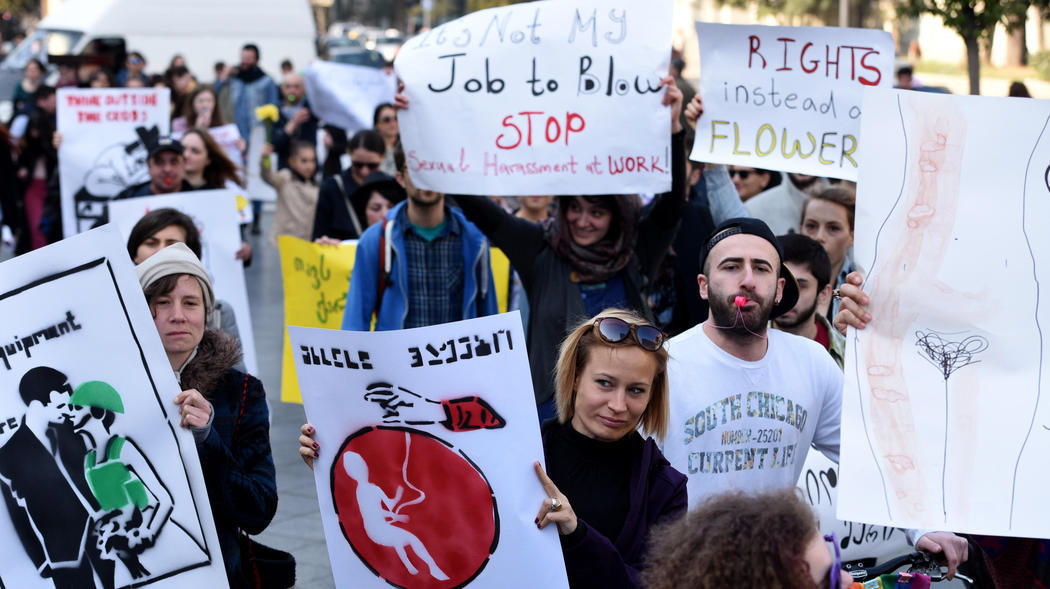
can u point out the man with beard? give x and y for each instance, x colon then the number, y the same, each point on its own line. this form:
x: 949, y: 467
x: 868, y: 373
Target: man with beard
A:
x: 747, y: 402
x: 811, y: 267
x: 425, y: 264
x: 781, y: 206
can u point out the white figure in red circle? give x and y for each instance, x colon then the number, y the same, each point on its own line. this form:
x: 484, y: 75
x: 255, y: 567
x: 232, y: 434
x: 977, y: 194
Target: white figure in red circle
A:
x: 378, y: 512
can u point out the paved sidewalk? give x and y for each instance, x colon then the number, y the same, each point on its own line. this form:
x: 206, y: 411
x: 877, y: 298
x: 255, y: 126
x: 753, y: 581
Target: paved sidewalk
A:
x: 297, y: 525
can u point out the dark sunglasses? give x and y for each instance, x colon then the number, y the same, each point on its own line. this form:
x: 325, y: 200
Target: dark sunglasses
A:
x: 615, y: 330
x: 836, y: 567
x: 387, y: 119
x: 742, y: 173
x: 365, y: 165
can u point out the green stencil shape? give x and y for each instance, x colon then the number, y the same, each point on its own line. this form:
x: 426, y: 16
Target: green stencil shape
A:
x: 95, y: 393
x: 111, y: 482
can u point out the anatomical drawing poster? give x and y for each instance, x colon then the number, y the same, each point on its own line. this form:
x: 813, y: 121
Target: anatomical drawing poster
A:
x: 427, y: 439
x: 99, y: 487
x: 945, y: 424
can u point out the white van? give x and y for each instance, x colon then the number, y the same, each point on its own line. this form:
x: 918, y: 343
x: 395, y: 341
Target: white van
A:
x: 202, y: 31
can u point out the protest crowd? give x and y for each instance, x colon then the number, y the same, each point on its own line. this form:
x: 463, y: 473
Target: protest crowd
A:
x: 639, y: 313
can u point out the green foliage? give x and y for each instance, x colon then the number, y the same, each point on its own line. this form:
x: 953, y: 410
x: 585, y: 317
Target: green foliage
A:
x: 1040, y: 62
x: 824, y: 10
x: 972, y: 20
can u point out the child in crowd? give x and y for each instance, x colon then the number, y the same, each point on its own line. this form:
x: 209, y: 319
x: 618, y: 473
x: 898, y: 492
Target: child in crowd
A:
x: 296, y: 190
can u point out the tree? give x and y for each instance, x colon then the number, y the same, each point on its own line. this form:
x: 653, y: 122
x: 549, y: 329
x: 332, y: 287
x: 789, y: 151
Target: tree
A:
x: 972, y: 19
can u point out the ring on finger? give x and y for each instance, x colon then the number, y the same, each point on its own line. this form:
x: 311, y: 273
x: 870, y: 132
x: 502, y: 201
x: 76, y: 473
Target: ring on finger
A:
x: 836, y: 294
x: 555, y: 505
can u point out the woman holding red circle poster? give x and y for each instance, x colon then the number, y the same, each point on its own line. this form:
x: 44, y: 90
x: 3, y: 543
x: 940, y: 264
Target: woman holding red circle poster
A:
x: 606, y: 485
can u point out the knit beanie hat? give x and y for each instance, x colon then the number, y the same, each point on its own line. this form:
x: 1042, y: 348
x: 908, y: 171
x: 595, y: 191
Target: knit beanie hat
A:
x: 176, y: 259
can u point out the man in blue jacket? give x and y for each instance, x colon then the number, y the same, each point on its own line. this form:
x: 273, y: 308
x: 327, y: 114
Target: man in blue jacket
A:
x: 424, y: 265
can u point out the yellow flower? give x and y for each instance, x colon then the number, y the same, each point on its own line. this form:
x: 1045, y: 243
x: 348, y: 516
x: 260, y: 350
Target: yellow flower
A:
x: 267, y: 112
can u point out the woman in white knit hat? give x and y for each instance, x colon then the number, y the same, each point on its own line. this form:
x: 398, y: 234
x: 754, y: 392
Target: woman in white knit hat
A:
x: 224, y: 407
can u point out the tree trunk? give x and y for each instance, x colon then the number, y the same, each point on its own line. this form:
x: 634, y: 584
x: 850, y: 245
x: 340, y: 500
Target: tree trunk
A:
x: 1016, y: 44
x: 1040, y: 36
x: 973, y: 63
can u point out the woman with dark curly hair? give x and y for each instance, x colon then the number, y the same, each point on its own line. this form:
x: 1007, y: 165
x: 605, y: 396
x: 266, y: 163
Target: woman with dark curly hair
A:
x: 768, y: 540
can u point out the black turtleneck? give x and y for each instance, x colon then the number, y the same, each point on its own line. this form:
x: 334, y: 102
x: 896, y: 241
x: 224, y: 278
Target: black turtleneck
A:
x: 594, y: 475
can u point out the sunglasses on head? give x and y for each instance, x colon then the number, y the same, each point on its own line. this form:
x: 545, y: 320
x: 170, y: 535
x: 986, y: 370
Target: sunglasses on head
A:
x: 365, y: 165
x: 614, y: 331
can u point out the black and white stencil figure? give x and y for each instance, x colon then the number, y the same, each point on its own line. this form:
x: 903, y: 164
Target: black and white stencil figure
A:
x: 948, y: 352
x: 98, y: 487
x: 117, y: 167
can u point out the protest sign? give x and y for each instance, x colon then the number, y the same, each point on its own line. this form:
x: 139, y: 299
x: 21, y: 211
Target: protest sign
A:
x: 215, y: 214
x: 540, y: 98
x: 98, y: 479
x: 256, y: 187
x: 433, y: 428
x: 106, y: 137
x: 346, y: 95
x: 861, y: 545
x: 787, y: 98
x: 942, y: 426
x: 316, y: 281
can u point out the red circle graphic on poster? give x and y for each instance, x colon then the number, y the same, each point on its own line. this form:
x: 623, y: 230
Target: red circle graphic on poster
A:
x: 415, y: 510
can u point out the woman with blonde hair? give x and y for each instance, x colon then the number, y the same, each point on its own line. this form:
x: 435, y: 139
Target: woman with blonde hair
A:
x: 607, y: 485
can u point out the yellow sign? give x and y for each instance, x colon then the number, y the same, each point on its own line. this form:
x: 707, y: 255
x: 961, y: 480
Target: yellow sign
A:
x: 316, y: 281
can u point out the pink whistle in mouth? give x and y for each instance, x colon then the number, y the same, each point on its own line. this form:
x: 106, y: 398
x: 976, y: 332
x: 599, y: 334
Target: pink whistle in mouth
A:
x: 740, y: 301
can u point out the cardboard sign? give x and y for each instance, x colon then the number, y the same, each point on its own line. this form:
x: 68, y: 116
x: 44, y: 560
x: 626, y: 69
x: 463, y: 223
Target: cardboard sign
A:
x: 96, y: 474
x: 540, y: 98
x: 787, y: 98
x: 106, y: 137
x: 434, y: 430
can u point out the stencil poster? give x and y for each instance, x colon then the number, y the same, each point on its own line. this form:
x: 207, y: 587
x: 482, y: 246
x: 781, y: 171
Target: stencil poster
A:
x: 428, y: 437
x: 99, y: 485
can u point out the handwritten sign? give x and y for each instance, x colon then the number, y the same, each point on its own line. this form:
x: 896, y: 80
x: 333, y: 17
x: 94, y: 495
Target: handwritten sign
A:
x: 943, y: 425
x: 106, y: 135
x: 425, y: 476
x: 99, y: 480
x: 540, y: 98
x: 316, y: 281
x: 787, y: 98
x: 346, y: 95
x: 215, y: 214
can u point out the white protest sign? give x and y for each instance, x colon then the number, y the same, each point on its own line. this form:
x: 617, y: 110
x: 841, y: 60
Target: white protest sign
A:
x: 863, y: 545
x: 228, y: 138
x: 106, y: 135
x: 346, y: 95
x: 942, y: 422
x: 433, y: 429
x: 787, y: 98
x: 256, y: 188
x: 101, y: 486
x: 215, y: 214
x: 540, y: 98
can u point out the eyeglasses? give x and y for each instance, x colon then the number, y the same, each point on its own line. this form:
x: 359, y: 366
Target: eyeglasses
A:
x: 615, y: 330
x: 742, y: 173
x: 365, y: 165
x: 387, y: 119
x: 135, y: 60
x: 834, y: 575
